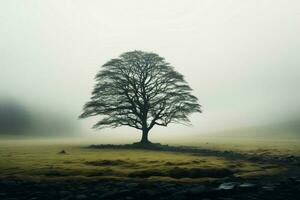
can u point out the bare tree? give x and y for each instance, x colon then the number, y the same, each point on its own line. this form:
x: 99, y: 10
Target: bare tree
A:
x: 140, y: 89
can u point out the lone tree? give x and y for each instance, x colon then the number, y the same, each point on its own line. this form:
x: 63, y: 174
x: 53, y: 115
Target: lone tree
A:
x: 140, y: 89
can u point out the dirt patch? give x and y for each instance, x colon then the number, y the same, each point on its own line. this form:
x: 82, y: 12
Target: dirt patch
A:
x: 146, y: 173
x: 178, y: 172
x: 110, y: 163
x: 105, y: 172
x: 152, y: 161
x: 54, y: 173
x: 168, y: 163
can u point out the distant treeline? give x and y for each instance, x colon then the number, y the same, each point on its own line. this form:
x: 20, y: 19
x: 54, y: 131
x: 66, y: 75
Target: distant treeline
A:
x: 18, y: 120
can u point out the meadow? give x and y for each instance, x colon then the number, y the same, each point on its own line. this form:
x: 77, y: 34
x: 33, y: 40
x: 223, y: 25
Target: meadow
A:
x: 41, y: 160
x: 65, y: 167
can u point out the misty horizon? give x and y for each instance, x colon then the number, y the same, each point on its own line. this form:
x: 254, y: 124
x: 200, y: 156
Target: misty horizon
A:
x: 241, y: 59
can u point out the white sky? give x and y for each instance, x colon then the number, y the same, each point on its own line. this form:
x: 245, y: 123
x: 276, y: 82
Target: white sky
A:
x: 241, y: 57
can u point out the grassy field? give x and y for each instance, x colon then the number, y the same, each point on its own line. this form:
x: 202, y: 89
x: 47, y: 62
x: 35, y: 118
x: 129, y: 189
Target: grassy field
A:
x: 40, y: 160
x: 243, y: 169
x: 268, y: 145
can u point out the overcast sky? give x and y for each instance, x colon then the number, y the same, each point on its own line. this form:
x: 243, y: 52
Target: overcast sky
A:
x: 240, y: 57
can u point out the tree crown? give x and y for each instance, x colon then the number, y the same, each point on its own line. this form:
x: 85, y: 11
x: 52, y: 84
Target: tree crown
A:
x: 140, y: 89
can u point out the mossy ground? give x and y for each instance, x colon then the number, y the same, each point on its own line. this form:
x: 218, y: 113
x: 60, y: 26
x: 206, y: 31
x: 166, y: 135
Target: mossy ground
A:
x: 43, y: 161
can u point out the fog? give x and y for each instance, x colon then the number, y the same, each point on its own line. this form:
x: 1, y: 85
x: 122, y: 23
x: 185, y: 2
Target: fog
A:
x: 240, y: 57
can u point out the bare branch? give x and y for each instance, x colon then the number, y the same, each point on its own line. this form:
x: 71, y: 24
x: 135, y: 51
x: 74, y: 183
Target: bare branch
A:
x: 140, y: 90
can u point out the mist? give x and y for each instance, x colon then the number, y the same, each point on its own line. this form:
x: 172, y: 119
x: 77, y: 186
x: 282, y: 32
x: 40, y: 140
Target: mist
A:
x: 240, y: 57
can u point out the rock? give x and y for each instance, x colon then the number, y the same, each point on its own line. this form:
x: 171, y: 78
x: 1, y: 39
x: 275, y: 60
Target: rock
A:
x: 291, y: 158
x: 227, y: 186
x: 67, y: 198
x: 108, y: 195
x: 294, y: 179
x: 268, y: 188
x: 37, y: 194
x: 2, y: 194
x: 62, y: 152
x: 123, y: 192
x: 196, y: 190
x: 81, y: 196
x: 178, y: 197
x: 247, y: 186
x: 147, y: 192
x: 254, y: 158
x: 94, y: 195
x: 9, y: 183
x: 43, y: 185
x: 65, y: 193
x: 82, y: 188
x: 132, y: 185
x: 168, y: 187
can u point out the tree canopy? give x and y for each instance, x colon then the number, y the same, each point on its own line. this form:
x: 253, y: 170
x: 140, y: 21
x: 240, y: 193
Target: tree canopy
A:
x: 140, y: 89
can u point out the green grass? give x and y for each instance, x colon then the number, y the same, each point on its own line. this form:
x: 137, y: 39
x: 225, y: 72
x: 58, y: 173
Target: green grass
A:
x: 272, y: 146
x: 42, y: 161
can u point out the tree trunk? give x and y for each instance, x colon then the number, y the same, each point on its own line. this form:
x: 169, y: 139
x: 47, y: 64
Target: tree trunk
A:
x: 144, y: 139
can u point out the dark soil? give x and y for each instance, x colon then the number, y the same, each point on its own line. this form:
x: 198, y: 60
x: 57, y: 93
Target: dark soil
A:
x: 269, y: 158
x: 178, y: 172
x: 127, y: 190
x: 109, y: 163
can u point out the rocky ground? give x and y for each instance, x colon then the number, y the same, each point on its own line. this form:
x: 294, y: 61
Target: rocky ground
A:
x: 225, y: 190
